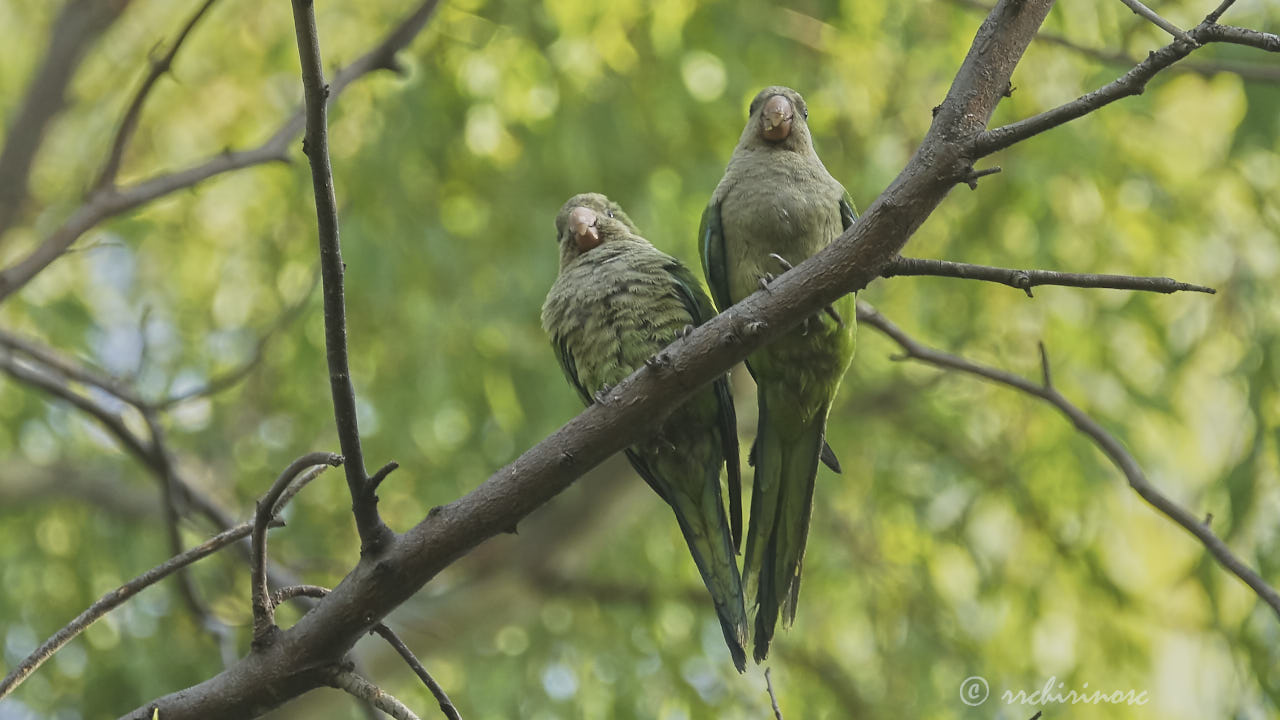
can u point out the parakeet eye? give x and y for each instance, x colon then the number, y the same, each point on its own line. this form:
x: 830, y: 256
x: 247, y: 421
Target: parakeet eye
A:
x: 609, y: 213
x: 806, y: 113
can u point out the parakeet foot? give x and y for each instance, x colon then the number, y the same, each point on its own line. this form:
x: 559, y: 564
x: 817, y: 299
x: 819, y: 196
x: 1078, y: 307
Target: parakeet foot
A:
x: 829, y: 310
x: 660, y: 361
x: 684, y: 332
x: 765, y: 280
x: 602, y: 395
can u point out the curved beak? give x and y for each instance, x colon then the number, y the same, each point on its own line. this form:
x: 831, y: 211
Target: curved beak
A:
x: 775, y: 119
x: 582, y: 225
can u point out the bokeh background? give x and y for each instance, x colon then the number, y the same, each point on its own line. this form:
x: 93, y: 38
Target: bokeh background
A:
x: 973, y: 531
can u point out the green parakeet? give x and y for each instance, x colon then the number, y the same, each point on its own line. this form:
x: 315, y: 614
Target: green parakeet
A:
x: 775, y: 206
x: 616, y: 302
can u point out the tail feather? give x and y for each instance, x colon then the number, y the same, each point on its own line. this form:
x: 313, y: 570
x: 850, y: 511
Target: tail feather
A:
x: 706, y: 531
x: 781, y: 506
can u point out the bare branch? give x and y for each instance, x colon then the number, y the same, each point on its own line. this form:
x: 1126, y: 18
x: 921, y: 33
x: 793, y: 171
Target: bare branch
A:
x: 116, y: 598
x: 108, y: 202
x: 1026, y: 279
x: 1106, y: 442
x: 446, y: 705
x: 263, y: 608
x: 359, y: 687
x: 112, y: 422
x: 364, y: 502
x: 1131, y: 83
x: 1214, y: 16
x: 1248, y: 71
x: 74, y: 33
x: 129, y: 123
x: 71, y: 369
x: 1146, y: 12
x: 773, y: 699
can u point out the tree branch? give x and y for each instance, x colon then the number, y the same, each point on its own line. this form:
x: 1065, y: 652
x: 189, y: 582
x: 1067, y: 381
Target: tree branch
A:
x: 773, y: 699
x: 1143, y: 11
x: 364, y: 502
x: 1026, y: 279
x: 263, y: 608
x: 108, y: 202
x: 1110, y: 446
x: 446, y: 705
x: 1131, y: 83
x: 129, y: 123
x: 74, y: 33
x: 359, y: 687
x: 1248, y: 71
x: 117, y: 597
x: 316, y: 591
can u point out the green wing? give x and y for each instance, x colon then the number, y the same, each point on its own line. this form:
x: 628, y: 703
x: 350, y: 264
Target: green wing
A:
x: 848, y: 213
x: 711, y: 250
x: 569, y: 367
x: 700, y: 309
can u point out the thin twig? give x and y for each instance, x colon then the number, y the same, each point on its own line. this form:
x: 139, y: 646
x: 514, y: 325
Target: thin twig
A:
x: 773, y: 699
x: 1106, y: 442
x: 446, y: 705
x: 129, y: 122
x: 1026, y: 279
x: 71, y: 369
x: 1151, y: 15
x: 108, y: 202
x: 174, y: 501
x: 358, y: 687
x: 114, y: 423
x: 117, y: 597
x: 1216, y: 15
x: 1132, y: 82
x: 263, y: 609
x: 114, y: 599
x: 364, y: 503
x: 1207, y: 68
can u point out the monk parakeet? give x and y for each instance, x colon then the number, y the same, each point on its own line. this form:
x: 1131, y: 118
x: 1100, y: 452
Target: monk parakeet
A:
x: 775, y: 206
x: 616, y: 302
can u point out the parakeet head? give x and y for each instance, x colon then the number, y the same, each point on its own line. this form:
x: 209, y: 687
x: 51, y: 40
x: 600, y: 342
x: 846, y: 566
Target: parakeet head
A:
x: 587, y: 221
x: 778, y: 118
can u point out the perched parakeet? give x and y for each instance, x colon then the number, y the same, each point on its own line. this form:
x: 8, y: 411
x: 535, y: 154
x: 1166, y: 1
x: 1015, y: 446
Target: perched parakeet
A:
x: 616, y: 302
x: 775, y: 206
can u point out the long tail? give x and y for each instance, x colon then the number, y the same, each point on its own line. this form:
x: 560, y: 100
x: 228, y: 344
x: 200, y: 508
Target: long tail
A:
x: 787, y: 454
x: 702, y: 520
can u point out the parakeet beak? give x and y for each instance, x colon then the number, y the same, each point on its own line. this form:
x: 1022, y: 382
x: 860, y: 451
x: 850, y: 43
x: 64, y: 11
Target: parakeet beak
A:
x: 582, y: 223
x: 775, y: 119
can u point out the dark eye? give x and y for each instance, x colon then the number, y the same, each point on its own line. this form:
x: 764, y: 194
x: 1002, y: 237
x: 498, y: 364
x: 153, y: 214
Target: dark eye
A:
x: 806, y: 113
x: 609, y: 213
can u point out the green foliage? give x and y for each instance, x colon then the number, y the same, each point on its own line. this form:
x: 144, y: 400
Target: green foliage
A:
x: 973, y: 532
